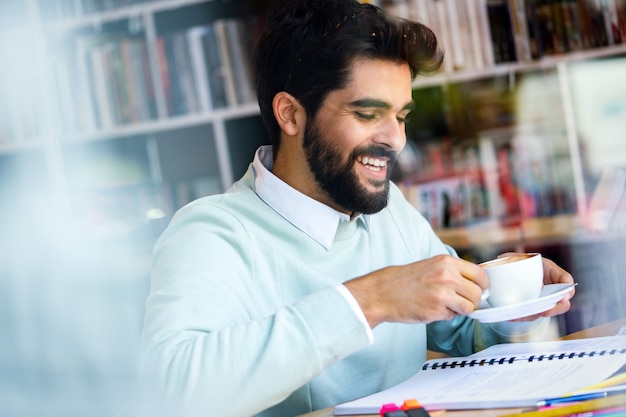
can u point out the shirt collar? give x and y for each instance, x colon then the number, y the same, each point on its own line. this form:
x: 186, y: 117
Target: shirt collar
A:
x: 316, y: 219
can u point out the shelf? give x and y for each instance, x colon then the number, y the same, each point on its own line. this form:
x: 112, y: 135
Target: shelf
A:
x: 546, y: 62
x: 492, y: 233
x: 124, y: 12
x: 157, y: 126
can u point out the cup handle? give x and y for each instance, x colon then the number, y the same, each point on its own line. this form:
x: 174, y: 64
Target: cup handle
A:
x: 484, y: 295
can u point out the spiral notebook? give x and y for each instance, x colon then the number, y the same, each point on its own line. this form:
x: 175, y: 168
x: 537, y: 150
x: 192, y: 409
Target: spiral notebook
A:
x: 506, y: 375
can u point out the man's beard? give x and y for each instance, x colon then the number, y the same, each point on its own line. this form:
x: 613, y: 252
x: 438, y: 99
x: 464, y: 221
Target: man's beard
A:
x: 338, y: 179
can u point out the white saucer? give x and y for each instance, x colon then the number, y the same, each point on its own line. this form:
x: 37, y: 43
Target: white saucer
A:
x: 550, y: 295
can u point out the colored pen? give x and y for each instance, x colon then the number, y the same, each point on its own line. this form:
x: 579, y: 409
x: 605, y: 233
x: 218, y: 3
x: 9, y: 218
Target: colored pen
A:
x: 575, y: 408
x: 413, y: 408
x: 391, y: 410
x: 572, y: 398
x: 609, y: 382
x: 612, y: 390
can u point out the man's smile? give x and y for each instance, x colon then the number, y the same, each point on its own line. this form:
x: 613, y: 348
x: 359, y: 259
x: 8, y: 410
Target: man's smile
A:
x: 372, y: 163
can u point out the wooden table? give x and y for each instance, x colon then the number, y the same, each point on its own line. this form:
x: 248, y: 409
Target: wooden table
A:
x: 607, y: 329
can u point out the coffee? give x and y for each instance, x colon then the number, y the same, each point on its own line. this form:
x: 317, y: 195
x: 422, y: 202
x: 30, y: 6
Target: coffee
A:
x: 507, y: 260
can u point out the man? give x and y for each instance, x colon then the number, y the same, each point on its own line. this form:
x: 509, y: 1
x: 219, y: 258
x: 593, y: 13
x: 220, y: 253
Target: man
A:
x: 312, y: 281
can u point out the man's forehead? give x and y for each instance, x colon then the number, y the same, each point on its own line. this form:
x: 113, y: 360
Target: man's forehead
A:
x: 376, y: 83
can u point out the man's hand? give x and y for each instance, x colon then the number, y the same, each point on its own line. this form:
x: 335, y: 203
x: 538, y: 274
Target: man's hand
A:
x: 438, y: 288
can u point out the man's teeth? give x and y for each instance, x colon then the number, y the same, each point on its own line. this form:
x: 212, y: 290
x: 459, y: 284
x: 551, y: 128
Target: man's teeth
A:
x: 372, y: 161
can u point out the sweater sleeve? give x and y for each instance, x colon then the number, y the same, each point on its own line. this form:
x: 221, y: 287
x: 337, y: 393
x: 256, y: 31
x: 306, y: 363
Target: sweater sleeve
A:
x: 208, y: 343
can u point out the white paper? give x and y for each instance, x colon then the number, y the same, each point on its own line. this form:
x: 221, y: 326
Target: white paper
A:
x: 518, y: 384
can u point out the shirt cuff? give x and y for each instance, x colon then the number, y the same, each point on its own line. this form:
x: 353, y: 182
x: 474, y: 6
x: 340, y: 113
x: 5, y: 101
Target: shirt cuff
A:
x: 357, y: 311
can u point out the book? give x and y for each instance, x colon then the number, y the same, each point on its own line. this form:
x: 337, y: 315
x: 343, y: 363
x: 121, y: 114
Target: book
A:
x: 88, y: 104
x: 506, y: 375
x: 502, y: 37
x: 485, y: 32
x: 230, y: 85
x: 102, y: 91
x: 457, y: 39
x: 239, y: 51
x: 479, y: 56
x: 438, y: 24
x: 215, y: 70
x: 183, y: 63
x: 199, y: 65
x: 521, y: 40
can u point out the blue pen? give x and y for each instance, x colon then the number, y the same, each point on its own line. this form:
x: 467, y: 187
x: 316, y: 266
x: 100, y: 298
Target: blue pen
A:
x: 571, y: 398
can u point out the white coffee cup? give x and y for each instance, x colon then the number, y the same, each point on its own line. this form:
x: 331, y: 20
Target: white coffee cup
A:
x: 513, y: 279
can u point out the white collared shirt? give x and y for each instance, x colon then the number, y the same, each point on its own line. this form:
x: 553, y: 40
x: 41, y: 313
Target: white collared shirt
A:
x: 314, y: 218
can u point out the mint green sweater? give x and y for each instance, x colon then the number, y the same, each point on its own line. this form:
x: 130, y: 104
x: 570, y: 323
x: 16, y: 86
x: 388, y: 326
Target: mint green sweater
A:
x: 244, y: 316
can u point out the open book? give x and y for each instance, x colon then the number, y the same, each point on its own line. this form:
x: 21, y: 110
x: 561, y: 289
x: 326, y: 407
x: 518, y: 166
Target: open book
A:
x: 506, y: 375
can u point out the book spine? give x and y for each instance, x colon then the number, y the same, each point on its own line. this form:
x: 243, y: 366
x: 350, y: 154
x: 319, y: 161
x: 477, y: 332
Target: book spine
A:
x: 486, y: 35
x: 501, y: 32
x: 221, y: 32
x: 102, y: 95
x: 573, y: 25
x: 608, y: 14
x: 239, y: 53
x: 585, y: 16
x: 474, y: 32
x: 439, y: 23
x: 178, y: 102
x: 183, y: 62
x: 214, y: 69
x: 199, y: 65
x: 165, y: 76
x: 134, y: 95
x: 86, y: 95
x: 148, y: 80
x: 517, y: 12
x: 117, y: 83
x: 142, y: 78
x: 453, y: 27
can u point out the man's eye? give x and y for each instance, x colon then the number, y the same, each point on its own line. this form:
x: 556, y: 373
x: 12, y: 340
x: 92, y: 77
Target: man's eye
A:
x: 365, y: 116
x: 404, y: 119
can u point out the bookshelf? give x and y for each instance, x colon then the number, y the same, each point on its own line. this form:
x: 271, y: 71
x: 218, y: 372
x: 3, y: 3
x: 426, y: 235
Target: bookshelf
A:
x: 127, y: 109
x: 497, y: 157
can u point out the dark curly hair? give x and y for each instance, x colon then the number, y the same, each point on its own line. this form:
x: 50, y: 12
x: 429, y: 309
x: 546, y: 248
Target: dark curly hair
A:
x: 307, y: 47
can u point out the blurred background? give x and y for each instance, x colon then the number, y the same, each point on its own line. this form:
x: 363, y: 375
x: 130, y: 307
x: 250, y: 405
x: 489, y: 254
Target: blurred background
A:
x: 115, y: 113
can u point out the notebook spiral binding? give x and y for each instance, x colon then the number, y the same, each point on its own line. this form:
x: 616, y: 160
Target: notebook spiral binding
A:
x: 532, y: 358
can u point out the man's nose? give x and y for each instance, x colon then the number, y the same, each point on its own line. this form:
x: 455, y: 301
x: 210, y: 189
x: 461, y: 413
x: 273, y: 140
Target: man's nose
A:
x: 392, y: 134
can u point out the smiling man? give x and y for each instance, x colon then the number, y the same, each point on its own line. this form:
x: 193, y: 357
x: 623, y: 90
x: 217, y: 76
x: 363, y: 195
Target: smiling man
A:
x: 351, y: 144
x: 312, y: 281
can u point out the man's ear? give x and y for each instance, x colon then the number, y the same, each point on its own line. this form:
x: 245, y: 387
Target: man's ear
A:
x: 288, y: 113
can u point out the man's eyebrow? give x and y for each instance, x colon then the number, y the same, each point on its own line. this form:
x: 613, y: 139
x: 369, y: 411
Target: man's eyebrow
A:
x: 374, y: 103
